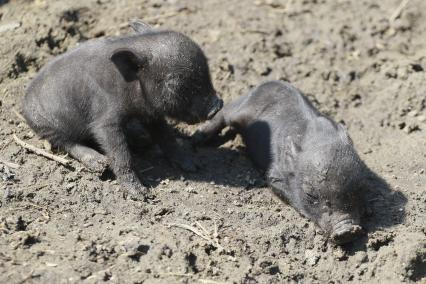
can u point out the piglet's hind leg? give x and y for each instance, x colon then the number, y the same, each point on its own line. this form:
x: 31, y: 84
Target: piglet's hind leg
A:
x: 90, y: 158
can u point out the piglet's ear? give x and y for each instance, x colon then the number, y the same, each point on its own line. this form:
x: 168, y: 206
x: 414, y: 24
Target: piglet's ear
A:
x: 139, y: 26
x: 128, y: 63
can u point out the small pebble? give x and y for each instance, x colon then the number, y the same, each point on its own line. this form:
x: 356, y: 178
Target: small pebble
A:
x: 311, y: 257
x: 190, y: 189
x: 412, y: 113
x: 421, y: 118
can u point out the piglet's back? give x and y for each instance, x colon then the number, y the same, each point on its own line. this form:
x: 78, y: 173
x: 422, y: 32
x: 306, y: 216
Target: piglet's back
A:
x: 53, y: 98
x: 65, y: 67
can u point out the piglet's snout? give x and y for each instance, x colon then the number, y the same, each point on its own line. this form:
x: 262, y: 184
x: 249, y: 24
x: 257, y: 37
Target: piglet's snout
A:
x: 346, y: 231
x: 215, y: 107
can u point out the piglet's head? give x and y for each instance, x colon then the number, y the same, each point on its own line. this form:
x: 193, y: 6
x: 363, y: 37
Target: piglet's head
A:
x: 323, y: 181
x: 173, y: 74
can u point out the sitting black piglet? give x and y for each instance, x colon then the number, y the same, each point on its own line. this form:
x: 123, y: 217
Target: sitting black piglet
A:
x: 91, y: 94
x: 309, y: 159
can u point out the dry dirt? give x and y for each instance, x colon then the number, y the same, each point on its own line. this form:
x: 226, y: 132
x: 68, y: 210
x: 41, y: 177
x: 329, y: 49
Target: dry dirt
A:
x: 355, y: 61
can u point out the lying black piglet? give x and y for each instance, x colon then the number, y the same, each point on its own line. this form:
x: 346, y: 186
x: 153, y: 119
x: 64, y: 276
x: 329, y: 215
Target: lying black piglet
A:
x: 100, y: 91
x: 309, y: 159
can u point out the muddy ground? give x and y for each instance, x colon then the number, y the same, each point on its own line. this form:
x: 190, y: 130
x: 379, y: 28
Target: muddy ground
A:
x: 355, y: 61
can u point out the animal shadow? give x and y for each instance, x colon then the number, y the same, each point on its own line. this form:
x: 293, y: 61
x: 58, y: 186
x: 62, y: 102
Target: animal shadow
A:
x: 221, y: 166
x: 385, y: 208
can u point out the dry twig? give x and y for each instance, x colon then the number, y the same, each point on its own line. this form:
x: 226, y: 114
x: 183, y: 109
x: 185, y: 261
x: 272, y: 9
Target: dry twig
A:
x: 44, y: 211
x: 167, y: 274
x: 18, y: 115
x: 100, y: 272
x: 253, y: 31
x: 41, y: 152
x: 398, y: 10
x: 204, y: 234
x: 10, y: 164
x: 208, y: 281
x: 190, y: 228
x: 37, y: 186
x: 162, y: 16
x: 202, y: 228
x: 175, y: 274
x: 215, y: 233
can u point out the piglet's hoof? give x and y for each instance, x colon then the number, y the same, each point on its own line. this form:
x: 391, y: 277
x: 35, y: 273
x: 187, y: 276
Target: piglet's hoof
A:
x: 136, y: 191
x: 96, y: 164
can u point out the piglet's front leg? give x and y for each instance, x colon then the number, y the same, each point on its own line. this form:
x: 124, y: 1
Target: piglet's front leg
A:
x: 112, y: 139
x: 209, y: 130
x: 162, y: 134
